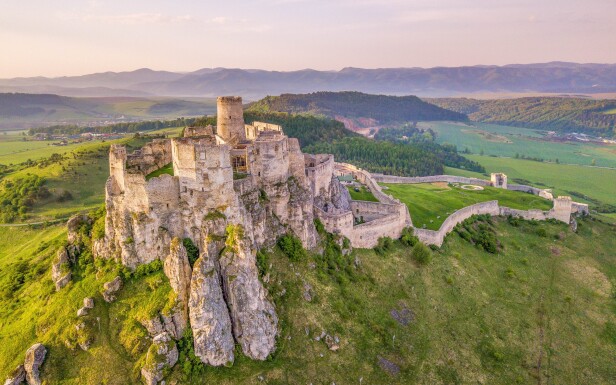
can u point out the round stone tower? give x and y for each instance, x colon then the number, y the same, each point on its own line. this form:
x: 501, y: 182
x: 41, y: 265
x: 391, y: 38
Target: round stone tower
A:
x: 230, y: 116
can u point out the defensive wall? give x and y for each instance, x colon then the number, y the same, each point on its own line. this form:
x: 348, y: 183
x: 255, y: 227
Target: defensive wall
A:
x: 561, y: 211
x: 386, y: 218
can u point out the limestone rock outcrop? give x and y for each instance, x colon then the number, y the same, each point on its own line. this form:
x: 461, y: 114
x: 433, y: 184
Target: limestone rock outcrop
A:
x: 254, y: 319
x: 162, y: 355
x: 111, y: 288
x: 209, y: 315
x: 177, y: 269
x: 60, y: 269
x: 34, y: 359
x: 18, y: 376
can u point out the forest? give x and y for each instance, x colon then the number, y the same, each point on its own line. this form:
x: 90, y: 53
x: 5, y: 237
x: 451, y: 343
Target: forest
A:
x: 382, y: 108
x: 545, y: 113
x: 132, y: 127
x: 413, y: 159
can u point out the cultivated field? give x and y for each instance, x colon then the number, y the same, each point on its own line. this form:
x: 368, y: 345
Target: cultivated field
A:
x: 509, y: 141
x: 431, y: 203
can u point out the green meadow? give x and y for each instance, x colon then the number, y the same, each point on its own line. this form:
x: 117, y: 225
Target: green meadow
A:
x: 506, y: 141
x: 364, y: 194
x: 541, y: 309
x: 597, y: 183
x: 431, y: 203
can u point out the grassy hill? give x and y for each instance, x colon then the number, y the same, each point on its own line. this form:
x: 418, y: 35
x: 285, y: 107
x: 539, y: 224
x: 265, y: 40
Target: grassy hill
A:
x: 28, y: 110
x: 381, y: 108
x: 542, y: 308
x: 545, y: 113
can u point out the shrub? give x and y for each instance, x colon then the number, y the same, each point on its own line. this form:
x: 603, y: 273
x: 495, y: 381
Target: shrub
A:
x: 148, y: 268
x: 541, y: 232
x: 407, y: 238
x: 421, y: 253
x: 98, y: 229
x: 191, y: 250
x: 292, y: 247
x: 384, y: 244
x: 262, y: 263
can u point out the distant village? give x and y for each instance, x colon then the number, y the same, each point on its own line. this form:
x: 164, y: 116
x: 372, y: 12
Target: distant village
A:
x: 63, y: 140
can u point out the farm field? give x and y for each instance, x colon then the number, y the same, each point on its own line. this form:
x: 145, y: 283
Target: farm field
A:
x: 508, y: 141
x: 14, y: 150
x: 467, y: 314
x: 597, y: 183
x: 431, y: 203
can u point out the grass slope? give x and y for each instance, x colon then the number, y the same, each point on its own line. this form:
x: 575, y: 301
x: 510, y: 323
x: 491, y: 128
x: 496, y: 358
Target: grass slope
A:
x: 431, y: 203
x: 543, y: 308
x: 363, y: 194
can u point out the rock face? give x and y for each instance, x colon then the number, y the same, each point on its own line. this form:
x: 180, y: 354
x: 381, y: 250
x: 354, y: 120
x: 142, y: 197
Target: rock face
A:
x: 60, y: 269
x: 111, y: 288
x: 253, y: 316
x: 34, y: 359
x: 178, y: 270
x: 230, y: 194
x: 162, y: 354
x: 17, y: 377
x: 209, y: 315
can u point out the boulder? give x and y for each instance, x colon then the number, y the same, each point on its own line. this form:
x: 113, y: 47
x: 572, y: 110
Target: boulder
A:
x: 60, y: 269
x: 177, y: 269
x: 111, y: 288
x: 18, y: 376
x: 34, y: 359
x: 161, y: 356
x: 255, y: 324
x: 209, y: 315
x: 88, y: 303
x: 153, y: 326
x: 74, y: 224
x: 82, y: 312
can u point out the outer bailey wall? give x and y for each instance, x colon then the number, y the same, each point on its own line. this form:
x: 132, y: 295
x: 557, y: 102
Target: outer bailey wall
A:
x: 429, y: 179
x: 436, y: 237
x: 560, y: 212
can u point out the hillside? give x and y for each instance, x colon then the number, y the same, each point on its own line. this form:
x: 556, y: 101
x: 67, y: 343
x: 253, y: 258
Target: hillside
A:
x: 28, y: 110
x: 545, y: 113
x: 540, y: 309
x: 382, y: 109
x: 554, y: 77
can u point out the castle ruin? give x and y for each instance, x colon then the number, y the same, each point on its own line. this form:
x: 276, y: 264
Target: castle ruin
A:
x: 232, y: 190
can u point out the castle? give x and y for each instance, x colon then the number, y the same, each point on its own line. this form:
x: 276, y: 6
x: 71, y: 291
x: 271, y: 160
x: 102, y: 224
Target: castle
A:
x: 233, y: 190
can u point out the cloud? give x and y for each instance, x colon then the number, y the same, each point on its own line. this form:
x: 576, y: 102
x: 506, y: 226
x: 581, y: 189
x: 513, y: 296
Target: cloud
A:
x: 129, y: 19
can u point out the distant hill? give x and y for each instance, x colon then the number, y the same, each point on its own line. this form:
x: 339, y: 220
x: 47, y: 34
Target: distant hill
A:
x: 19, y: 110
x: 381, y: 109
x: 554, y: 77
x: 546, y: 113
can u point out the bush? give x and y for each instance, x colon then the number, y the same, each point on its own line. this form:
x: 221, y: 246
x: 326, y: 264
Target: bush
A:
x: 191, y: 250
x: 148, y: 268
x: 407, y: 238
x: 384, y: 244
x: 541, y: 232
x: 421, y: 253
x: 292, y: 247
x: 98, y: 229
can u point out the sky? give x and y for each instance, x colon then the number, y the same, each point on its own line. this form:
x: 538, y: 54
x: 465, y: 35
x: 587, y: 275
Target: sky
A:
x: 74, y: 37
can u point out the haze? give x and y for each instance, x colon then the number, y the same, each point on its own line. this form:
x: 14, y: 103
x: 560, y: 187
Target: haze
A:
x: 73, y: 37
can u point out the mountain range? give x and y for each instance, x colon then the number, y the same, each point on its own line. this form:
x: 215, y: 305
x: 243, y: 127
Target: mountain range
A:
x: 252, y: 84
